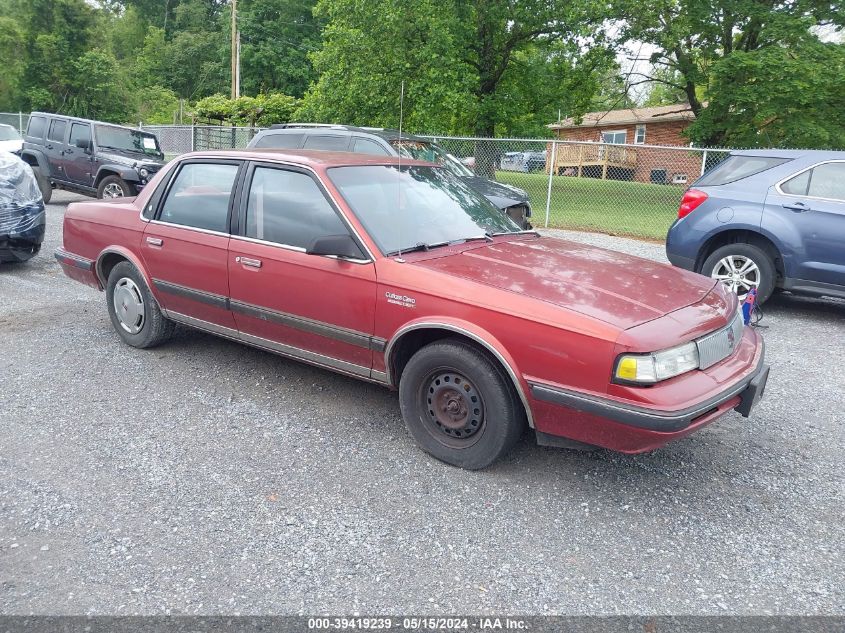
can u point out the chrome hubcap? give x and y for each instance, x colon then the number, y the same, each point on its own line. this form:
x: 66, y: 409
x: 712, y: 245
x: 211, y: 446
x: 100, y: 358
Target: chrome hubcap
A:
x: 112, y: 190
x: 739, y: 274
x: 129, y: 305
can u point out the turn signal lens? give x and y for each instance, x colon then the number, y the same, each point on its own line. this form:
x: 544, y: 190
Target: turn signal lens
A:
x: 651, y: 368
x: 691, y: 200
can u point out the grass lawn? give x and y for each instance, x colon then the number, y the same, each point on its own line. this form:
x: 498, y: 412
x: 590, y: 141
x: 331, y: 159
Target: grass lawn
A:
x: 606, y: 206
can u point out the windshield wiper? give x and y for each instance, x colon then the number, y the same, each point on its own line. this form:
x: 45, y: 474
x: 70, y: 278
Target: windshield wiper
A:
x: 419, y: 246
x: 526, y: 232
x: 472, y: 238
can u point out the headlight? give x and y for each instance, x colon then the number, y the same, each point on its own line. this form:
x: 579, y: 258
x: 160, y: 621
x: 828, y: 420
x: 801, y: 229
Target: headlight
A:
x: 144, y: 172
x: 651, y: 368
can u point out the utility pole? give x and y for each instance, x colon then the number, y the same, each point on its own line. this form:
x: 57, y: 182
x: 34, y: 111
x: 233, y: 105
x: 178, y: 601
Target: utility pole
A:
x: 236, y: 53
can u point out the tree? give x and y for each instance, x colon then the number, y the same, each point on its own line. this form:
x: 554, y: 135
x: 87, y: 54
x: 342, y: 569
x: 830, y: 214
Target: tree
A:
x: 693, y: 38
x: 12, y: 47
x: 777, y: 97
x: 276, y: 38
x: 481, y: 67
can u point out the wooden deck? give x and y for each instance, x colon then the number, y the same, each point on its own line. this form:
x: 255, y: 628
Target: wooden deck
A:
x: 593, y: 155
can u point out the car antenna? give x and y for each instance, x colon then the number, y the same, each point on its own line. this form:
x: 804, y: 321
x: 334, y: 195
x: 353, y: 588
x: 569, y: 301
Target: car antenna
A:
x: 399, y: 184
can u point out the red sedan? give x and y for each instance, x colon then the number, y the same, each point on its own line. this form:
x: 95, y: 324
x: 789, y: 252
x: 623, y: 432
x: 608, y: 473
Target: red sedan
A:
x: 399, y: 274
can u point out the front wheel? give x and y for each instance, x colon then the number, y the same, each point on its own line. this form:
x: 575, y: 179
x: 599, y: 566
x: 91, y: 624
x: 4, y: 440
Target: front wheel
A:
x: 460, y: 405
x: 133, y: 310
x: 114, y: 187
x: 741, y: 267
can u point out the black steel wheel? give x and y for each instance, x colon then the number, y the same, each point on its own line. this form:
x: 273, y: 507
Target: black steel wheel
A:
x: 459, y: 404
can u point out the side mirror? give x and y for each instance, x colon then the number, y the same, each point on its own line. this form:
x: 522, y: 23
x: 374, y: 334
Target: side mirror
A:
x: 337, y: 245
x: 84, y: 145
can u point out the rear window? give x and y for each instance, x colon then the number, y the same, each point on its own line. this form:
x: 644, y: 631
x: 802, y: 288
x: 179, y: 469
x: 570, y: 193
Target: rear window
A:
x: 36, y: 127
x: 279, y: 141
x: 736, y: 168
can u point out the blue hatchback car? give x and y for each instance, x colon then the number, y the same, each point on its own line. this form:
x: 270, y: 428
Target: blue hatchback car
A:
x: 766, y: 219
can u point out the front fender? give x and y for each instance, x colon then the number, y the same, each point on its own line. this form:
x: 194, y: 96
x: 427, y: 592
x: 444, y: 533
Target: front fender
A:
x: 471, y: 331
x: 129, y: 174
x: 38, y: 157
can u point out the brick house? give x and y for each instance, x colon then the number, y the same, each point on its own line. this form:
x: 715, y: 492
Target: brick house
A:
x: 661, y: 125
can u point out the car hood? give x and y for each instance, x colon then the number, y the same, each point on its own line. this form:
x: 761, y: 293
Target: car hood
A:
x: 130, y: 159
x: 618, y: 289
x: 501, y: 195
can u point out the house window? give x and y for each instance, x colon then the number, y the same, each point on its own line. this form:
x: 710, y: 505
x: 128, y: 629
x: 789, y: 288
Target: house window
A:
x: 616, y: 137
x: 639, y: 138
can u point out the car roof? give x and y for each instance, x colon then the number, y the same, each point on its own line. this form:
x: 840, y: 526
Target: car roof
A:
x: 92, y: 121
x: 309, y: 157
x: 790, y: 153
x: 387, y: 134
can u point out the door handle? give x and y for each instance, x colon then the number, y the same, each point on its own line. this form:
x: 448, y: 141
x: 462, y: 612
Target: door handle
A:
x: 155, y: 241
x: 49, y: 146
x: 798, y: 207
x: 248, y: 261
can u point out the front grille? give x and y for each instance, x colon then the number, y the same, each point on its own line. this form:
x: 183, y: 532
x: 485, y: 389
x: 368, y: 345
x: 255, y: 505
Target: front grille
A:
x: 720, y: 344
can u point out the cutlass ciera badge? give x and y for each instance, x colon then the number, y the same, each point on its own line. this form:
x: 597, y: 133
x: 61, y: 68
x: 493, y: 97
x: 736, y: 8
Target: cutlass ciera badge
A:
x: 401, y: 300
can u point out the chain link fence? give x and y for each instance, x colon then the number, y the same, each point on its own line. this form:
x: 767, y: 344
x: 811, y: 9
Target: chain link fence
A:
x: 179, y: 139
x: 17, y: 120
x: 631, y: 190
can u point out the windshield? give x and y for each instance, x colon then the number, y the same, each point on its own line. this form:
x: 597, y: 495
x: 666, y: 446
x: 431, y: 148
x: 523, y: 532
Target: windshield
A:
x: 127, y: 140
x: 423, y: 150
x: 8, y: 133
x: 421, y: 207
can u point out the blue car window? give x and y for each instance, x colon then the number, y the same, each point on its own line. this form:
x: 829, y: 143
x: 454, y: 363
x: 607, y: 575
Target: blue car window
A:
x: 828, y: 181
x: 738, y: 167
x: 797, y: 186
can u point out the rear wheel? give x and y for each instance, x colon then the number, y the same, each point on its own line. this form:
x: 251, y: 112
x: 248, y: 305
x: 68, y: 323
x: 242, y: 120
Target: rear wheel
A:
x: 459, y: 405
x: 133, y: 310
x: 741, y: 267
x: 43, y: 184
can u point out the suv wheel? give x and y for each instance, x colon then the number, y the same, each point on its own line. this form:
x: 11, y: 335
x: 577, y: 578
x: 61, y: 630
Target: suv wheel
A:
x: 114, y: 187
x: 459, y: 405
x: 742, y: 267
x: 43, y: 184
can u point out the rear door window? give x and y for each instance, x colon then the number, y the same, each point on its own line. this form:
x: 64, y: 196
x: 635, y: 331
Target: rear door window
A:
x: 327, y: 142
x: 200, y: 195
x: 57, y: 131
x: 736, y: 168
x: 828, y: 181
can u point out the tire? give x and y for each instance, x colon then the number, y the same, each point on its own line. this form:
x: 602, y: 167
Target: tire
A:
x: 133, y: 310
x: 761, y: 273
x: 114, y: 187
x: 43, y: 184
x: 480, y: 417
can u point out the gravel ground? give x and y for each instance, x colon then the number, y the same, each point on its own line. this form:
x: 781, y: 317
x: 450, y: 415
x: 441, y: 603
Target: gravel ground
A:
x: 207, y: 477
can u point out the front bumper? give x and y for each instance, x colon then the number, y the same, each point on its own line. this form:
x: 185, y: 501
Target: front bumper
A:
x: 631, y: 428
